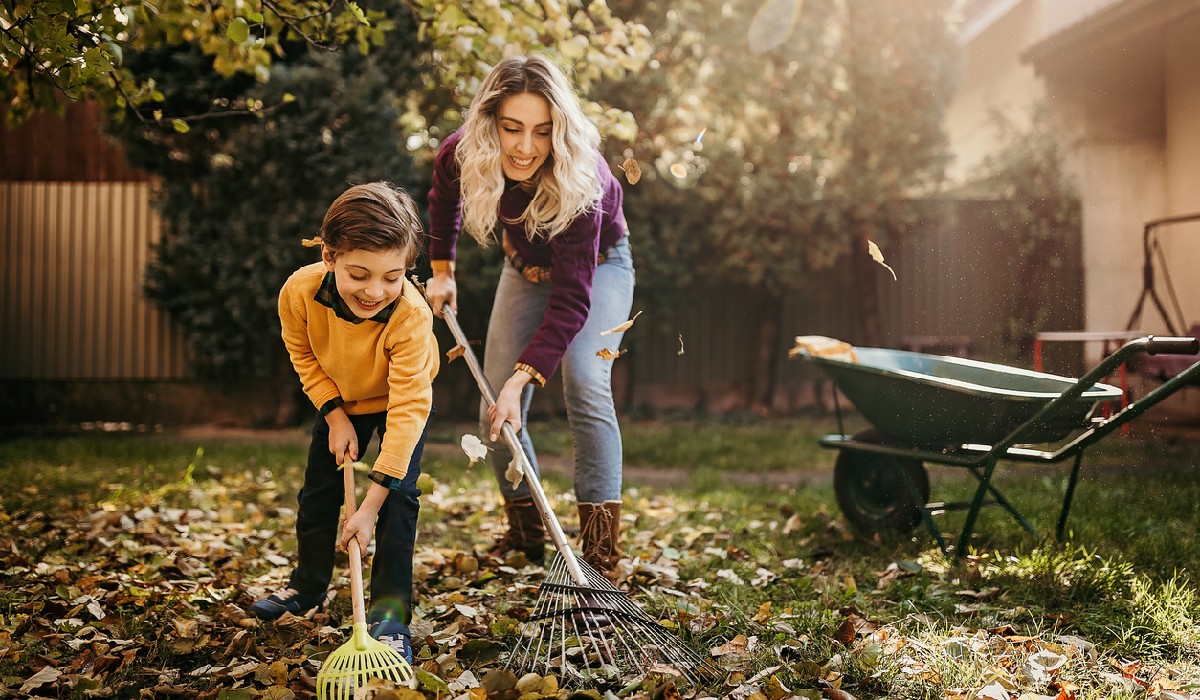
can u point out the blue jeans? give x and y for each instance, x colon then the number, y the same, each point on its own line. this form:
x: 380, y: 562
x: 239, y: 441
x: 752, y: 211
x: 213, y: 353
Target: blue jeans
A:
x: 587, y: 379
x: 317, y: 532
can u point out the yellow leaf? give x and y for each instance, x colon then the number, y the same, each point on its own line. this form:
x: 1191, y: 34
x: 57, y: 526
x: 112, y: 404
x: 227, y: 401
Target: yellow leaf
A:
x: 877, y: 256
x: 622, y: 326
x: 454, y: 353
x: 764, y: 613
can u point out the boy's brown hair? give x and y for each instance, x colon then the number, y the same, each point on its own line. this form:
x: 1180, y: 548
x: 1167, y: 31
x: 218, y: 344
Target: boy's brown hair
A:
x: 374, y: 216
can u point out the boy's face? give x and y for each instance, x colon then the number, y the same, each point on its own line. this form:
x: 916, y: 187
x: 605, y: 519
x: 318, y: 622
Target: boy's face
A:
x: 368, y: 280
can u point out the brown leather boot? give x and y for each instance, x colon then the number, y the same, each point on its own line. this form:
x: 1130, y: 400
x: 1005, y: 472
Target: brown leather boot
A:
x: 526, y: 532
x: 599, y: 535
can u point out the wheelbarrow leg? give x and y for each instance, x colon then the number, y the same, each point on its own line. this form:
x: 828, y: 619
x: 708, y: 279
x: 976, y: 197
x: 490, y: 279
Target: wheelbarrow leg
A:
x: 976, y: 503
x: 1004, y: 503
x: 1066, y: 506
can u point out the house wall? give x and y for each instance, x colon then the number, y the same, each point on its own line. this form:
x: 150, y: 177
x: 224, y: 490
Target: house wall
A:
x: 1181, y: 243
x: 994, y: 79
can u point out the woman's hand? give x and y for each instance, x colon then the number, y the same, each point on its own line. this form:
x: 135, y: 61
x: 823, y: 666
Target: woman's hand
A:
x: 442, y: 289
x: 343, y: 441
x: 508, y: 404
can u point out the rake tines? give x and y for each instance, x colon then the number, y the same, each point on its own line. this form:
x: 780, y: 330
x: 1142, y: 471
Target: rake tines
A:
x: 596, y: 633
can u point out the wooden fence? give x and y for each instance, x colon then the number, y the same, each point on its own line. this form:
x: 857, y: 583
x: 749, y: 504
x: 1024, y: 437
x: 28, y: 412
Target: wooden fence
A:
x: 74, y: 256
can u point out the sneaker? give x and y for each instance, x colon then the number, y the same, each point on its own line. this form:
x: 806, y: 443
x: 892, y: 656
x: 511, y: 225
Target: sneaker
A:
x: 284, y: 600
x: 396, y: 636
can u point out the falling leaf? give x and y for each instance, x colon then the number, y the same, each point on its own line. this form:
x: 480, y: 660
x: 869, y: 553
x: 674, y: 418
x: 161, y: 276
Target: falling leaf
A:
x: 680, y: 345
x: 474, y: 448
x: 514, y: 473
x: 701, y: 134
x: 679, y: 170
x: 877, y: 256
x: 606, y: 354
x: 633, y: 170
x: 454, y: 353
x: 622, y: 326
x: 773, y: 24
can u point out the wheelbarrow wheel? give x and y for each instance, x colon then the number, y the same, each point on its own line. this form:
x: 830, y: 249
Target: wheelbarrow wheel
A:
x: 870, y: 489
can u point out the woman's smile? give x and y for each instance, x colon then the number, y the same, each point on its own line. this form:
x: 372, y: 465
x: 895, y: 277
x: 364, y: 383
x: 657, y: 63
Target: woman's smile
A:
x: 524, y: 126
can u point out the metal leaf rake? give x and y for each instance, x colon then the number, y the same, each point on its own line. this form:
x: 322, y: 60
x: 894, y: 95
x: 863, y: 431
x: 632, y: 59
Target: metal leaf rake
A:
x: 583, y: 628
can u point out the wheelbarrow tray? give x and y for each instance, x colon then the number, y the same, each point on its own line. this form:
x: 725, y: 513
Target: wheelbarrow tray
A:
x: 930, y: 400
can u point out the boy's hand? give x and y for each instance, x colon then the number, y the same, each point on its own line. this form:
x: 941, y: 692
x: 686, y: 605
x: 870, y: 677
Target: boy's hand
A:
x: 358, y: 527
x: 343, y: 441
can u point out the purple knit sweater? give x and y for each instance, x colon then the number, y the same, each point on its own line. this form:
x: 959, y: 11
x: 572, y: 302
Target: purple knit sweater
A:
x: 571, y: 254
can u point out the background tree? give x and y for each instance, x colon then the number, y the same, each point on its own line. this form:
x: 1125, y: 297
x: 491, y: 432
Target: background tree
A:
x: 777, y: 138
x: 238, y: 194
x: 1043, y: 218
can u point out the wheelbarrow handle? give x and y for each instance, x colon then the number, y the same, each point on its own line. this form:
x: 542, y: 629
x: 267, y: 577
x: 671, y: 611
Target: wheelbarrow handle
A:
x: 1172, y: 346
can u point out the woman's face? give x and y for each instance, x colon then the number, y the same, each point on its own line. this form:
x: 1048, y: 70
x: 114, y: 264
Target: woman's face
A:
x: 524, y: 128
x: 368, y: 280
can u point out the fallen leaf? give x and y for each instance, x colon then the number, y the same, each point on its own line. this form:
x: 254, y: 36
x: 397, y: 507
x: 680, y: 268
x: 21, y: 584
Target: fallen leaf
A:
x: 48, y: 674
x: 622, y: 326
x: 633, y: 170
x: 877, y: 256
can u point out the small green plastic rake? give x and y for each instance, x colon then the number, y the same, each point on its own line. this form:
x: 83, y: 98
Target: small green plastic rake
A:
x: 350, y: 666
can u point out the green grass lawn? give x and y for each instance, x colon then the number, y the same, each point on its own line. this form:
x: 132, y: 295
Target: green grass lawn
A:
x: 168, y: 535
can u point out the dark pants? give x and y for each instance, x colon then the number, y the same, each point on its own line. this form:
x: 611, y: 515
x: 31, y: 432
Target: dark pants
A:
x: 317, y: 531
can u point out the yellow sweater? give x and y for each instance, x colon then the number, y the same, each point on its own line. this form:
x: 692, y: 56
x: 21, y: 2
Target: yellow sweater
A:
x: 373, y: 366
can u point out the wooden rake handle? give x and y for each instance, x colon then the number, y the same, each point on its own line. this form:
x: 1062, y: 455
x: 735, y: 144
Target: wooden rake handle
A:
x: 356, y: 573
x: 518, y: 451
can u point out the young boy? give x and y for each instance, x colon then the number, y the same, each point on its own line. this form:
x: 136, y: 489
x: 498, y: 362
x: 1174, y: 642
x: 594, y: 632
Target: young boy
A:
x: 360, y: 336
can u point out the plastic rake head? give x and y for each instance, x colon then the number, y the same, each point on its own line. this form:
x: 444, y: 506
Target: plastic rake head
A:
x: 361, y: 658
x: 595, y: 633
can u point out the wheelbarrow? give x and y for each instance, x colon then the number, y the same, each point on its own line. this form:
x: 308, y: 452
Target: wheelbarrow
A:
x: 965, y: 413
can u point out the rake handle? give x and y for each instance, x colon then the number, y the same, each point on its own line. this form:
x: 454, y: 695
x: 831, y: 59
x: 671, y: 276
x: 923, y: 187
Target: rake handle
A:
x: 356, y: 573
x: 514, y: 444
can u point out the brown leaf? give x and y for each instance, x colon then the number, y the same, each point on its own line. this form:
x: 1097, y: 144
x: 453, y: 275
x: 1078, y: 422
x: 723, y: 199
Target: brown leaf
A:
x: 622, y: 326
x: 606, y: 354
x: 845, y: 633
x: 454, y: 353
x: 633, y: 170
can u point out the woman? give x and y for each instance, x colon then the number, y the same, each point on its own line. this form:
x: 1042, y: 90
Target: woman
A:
x: 528, y: 159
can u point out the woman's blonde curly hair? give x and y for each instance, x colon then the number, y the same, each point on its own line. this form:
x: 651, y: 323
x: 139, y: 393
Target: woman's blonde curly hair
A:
x: 568, y: 184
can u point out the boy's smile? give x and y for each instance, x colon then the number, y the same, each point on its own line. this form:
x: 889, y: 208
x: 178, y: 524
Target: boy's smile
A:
x: 368, y: 281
